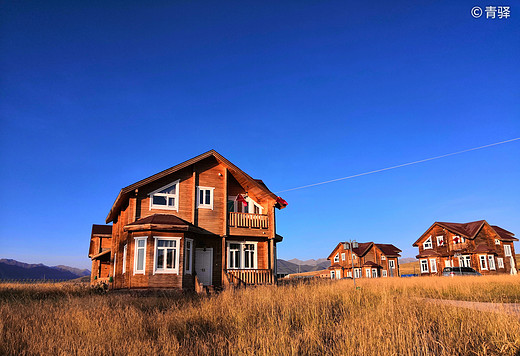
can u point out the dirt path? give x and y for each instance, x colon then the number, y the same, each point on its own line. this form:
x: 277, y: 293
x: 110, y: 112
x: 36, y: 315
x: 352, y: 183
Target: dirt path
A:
x: 508, y: 308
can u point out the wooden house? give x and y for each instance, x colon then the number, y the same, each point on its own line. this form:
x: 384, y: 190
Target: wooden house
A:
x: 203, y: 222
x: 487, y: 248
x: 99, y: 252
x: 368, y: 260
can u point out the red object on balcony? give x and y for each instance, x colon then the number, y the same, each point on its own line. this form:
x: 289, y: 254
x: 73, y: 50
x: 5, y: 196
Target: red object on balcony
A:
x: 282, y: 202
x: 241, y: 199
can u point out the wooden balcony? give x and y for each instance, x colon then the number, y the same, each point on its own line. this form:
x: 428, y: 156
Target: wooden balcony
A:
x: 245, y: 277
x: 248, y: 224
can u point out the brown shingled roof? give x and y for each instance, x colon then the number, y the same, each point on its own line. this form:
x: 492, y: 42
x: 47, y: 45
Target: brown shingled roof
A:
x: 466, y: 229
x: 504, y: 234
x: 101, y: 229
x: 389, y: 249
x: 372, y: 264
x: 167, y: 219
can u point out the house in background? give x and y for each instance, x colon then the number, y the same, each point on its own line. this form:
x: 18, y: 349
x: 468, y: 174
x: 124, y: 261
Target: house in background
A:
x: 203, y: 222
x: 99, y: 252
x: 486, y: 248
x: 370, y: 260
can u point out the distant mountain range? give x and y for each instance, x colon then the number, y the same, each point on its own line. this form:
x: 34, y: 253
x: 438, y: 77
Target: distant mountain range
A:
x: 12, y: 269
x: 297, y: 266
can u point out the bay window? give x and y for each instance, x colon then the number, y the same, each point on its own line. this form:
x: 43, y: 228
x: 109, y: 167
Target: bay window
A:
x: 140, y: 255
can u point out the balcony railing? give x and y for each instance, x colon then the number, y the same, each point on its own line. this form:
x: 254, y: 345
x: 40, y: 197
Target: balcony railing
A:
x: 250, y: 221
x: 251, y: 276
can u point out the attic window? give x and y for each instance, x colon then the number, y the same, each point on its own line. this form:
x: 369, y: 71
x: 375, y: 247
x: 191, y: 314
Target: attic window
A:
x: 497, y: 242
x: 166, y: 197
x: 428, y: 243
x: 336, y: 258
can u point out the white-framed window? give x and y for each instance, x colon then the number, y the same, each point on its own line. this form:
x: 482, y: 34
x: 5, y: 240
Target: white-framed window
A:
x: 349, y: 274
x: 242, y: 255
x: 367, y: 272
x: 343, y: 256
x: 447, y: 263
x: 424, y: 266
x: 391, y: 264
x: 507, y: 250
x: 354, y: 255
x: 166, y: 255
x: 238, y: 207
x: 491, y: 260
x: 440, y: 240
x: 433, y: 265
x: 500, y: 261
x: 357, y: 272
x: 332, y: 275
x: 374, y: 272
x: 205, y: 197
x: 497, y: 242
x: 115, y: 259
x: 385, y: 273
x: 124, y: 258
x: 336, y: 258
x: 140, y: 255
x: 383, y: 257
x: 338, y: 274
x: 465, y: 261
x: 483, y: 262
x: 428, y: 243
x: 166, y: 197
x: 188, y: 255
x: 458, y: 240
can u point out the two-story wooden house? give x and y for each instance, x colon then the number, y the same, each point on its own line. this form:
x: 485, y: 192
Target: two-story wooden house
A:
x: 368, y: 260
x: 202, y: 221
x: 487, y: 248
x: 99, y: 252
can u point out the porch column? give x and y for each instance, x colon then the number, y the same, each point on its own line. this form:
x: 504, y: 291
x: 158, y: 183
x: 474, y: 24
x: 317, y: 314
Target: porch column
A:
x: 224, y: 259
x: 272, y: 259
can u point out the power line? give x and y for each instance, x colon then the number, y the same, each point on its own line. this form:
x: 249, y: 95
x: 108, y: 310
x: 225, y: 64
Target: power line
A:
x: 401, y: 165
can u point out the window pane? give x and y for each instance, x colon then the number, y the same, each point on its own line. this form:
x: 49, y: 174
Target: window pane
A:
x: 140, y: 259
x: 159, y: 200
x: 171, y: 201
x: 160, y: 258
x: 201, y: 197
x: 169, y: 190
x: 140, y: 243
x: 169, y: 258
x: 208, y: 197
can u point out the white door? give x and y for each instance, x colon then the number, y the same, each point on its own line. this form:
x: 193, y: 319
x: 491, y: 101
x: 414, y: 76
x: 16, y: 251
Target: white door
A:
x: 203, y: 265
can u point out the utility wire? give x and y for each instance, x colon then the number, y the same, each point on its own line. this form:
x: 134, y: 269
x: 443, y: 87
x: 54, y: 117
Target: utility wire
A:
x: 401, y: 165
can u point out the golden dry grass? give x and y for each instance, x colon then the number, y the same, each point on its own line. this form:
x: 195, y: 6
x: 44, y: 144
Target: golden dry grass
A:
x: 383, y: 317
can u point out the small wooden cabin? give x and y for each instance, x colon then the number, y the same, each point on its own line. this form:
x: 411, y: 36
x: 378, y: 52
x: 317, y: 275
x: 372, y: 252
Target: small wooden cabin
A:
x: 203, y: 222
x: 488, y: 249
x: 368, y: 260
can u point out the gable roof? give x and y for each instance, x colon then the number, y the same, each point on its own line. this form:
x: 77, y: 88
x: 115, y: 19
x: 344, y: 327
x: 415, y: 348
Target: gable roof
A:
x: 361, y: 250
x: 257, y: 187
x: 389, y: 249
x: 470, y: 230
x: 101, y: 230
x: 504, y: 234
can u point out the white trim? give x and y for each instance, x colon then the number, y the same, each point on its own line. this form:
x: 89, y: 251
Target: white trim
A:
x: 124, y: 258
x: 497, y: 242
x: 210, y: 250
x: 205, y: 205
x: 383, y: 258
x: 440, y: 240
x: 482, y: 258
x: 374, y: 272
x: 427, y: 244
x: 391, y: 264
x: 424, y: 270
x: 188, y: 266
x: 166, y: 207
x: 174, y: 270
x: 357, y: 272
x: 491, y: 263
x: 114, y: 275
x: 336, y: 258
x: 332, y: 274
x: 343, y: 256
x: 447, y: 263
x: 433, y: 265
x: 500, y: 262
x: 465, y: 261
x: 507, y: 250
x: 367, y: 272
x: 385, y: 273
x: 250, y: 204
x: 136, y: 242
x: 242, y: 254
x: 349, y: 274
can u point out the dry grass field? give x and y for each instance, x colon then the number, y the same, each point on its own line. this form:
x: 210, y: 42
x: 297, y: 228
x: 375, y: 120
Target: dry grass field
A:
x: 383, y: 317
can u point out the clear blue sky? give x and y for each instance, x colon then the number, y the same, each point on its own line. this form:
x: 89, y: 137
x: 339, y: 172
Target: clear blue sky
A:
x: 97, y: 95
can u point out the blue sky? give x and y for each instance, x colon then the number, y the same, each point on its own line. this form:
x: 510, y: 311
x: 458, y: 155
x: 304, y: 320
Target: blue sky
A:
x: 97, y: 95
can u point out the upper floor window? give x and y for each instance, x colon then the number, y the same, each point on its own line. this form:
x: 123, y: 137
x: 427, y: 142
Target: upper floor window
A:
x: 166, y: 255
x: 458, y: 240
x: 336, y: 258
x: 205, y: 197
x: 507, y: 250
x: 497, y: 242
x: 140, y: 255
x: 343, y: 256
x: 166, y: 197
x: 428, y: 243
x: 440, y: 240
x: 383, y: 258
